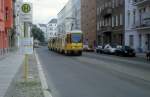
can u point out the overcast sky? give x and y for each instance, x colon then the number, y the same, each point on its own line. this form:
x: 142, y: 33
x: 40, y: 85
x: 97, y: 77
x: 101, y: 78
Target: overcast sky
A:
x: 44, y: 10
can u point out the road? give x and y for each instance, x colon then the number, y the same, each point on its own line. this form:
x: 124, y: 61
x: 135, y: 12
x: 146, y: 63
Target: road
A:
x: 93, y: 75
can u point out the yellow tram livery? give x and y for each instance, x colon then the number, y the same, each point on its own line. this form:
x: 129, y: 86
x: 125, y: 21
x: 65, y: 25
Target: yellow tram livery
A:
x: 69, y: 43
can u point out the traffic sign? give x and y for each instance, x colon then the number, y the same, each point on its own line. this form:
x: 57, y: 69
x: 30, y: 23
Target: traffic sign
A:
x: 26, y: 8
x: 27, y: 45
x: 26, y: 12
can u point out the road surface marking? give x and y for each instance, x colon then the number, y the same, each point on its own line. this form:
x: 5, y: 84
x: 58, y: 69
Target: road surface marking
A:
x: 42, y: 78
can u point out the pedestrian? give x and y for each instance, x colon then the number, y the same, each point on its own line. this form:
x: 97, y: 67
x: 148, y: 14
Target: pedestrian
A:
x: 148, y: 55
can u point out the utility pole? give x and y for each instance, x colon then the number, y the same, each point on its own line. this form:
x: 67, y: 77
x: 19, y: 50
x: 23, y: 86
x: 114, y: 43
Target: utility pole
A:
x: 26, y: 65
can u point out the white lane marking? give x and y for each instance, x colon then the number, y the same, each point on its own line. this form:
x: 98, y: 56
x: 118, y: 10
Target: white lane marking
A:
x: 42, y: 78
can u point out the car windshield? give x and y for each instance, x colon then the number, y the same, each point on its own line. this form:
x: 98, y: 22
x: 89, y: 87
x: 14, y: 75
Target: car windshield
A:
x: 113, y: 45
x: 76, y: 38
x: 127, y: 47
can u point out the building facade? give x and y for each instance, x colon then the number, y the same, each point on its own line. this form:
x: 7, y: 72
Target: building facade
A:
x: 110, y: 21
x: 19, y: 26
x: 88, y: 22
x: 2, y: 26
x: 9, y: 22
x: 69, y: 18
x: 6, y: 24
x: 137, y: 25
x: 52, y: 28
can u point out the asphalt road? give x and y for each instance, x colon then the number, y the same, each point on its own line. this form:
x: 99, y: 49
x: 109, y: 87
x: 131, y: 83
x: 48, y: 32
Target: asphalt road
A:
x: 93, y: 75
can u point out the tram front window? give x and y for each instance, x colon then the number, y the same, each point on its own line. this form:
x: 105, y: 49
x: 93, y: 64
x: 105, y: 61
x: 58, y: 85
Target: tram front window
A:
x: 76, y: 38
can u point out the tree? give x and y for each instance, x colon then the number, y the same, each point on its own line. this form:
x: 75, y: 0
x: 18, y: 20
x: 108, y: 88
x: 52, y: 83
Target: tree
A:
x: 37, y: 33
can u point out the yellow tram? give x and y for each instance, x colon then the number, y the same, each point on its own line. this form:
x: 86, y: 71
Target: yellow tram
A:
x: 69, y: 43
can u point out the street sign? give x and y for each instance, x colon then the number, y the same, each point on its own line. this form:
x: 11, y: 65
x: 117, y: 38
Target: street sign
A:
x: 27, y: 45
x: 26, y: 12
x: 26, y: 8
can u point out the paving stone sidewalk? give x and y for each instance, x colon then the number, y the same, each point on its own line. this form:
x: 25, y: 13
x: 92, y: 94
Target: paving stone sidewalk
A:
x: 32, y: 87
x: 9, y: 66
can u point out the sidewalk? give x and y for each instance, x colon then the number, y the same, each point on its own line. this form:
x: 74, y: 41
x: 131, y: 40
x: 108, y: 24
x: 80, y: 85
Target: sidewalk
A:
x: 9, y: 66
x: 30, y: 88
x: 141, y: 55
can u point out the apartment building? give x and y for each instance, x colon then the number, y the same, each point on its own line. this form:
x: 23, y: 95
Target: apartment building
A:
x: 69, y: 18
x: 6, y: 24
x: 9, y: 21
x: 110, y: 21
x: 18, y: 23
x: 88, y: 22
x: 137, y: 25
x: 52, y: 28
x: 2, y: 26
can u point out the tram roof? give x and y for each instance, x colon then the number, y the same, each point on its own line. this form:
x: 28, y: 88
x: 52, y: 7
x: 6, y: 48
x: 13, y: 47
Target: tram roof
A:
x: 74, y: 31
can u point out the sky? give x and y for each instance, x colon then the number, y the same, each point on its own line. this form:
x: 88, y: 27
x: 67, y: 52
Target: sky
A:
x: 45, y: 10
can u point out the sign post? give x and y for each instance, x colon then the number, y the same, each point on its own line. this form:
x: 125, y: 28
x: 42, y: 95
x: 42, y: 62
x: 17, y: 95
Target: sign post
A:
x: 27, y: 41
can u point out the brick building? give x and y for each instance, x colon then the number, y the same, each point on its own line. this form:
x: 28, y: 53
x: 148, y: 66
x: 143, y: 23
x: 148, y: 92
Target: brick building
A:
x: 6, y: 24
x: 2, y: 26
x: 88, y: 22
x: 110, y: 21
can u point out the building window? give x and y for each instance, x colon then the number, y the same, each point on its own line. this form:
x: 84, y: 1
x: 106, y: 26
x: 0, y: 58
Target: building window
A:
x: 101, y: 24
x: 110, y: 4
x: 97, y: 26
x: 97, y: 11
x: 128, y: 18
x: 116, y: 20
x: 116, y: 2
x: 134, y: 16
x: 140, y: 16
x: 121, y: 19
x: 6, y: 13
x: 129, y: 1
x: 113, y: 3
x: 131, y: 40
x: 121, y: 2
x: 2, y: 5
x: 112, y: 21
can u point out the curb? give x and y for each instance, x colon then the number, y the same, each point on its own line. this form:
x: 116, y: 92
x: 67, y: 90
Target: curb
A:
x: 42, y: 78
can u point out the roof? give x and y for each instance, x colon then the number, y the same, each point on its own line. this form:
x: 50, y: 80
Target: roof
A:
x: 53, y: 21
x: 42, y: 25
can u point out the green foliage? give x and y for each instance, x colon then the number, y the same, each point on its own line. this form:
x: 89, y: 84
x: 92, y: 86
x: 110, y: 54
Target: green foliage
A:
x: 37, y: 33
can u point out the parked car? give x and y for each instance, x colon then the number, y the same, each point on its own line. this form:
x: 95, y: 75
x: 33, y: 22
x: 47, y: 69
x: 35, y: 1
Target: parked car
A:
x: 87, y: 48
x: 125, y: 51
x: 100, y: 49
x: 110, y: 48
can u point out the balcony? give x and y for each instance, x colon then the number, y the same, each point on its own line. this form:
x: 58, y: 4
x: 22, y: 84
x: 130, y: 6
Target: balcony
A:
x: 107, y: 12
x: 146, y: 16
x: 142, y: 25
x: 141, y: 2
x: 106, y: 28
